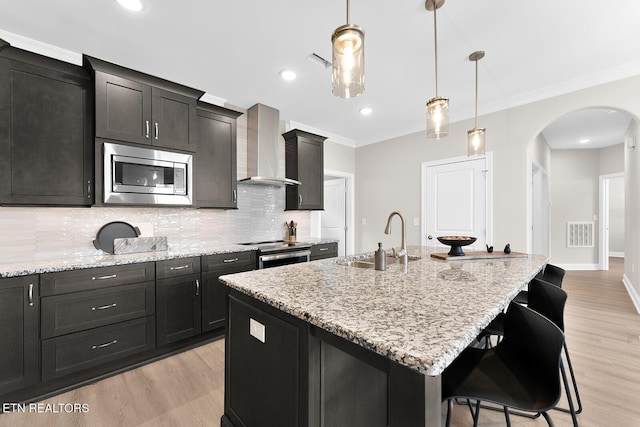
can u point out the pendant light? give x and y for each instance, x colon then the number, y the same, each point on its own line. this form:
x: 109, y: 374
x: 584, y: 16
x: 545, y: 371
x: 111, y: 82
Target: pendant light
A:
x: 347, y: 77
x: 437, y: 108
x: 475, y: 142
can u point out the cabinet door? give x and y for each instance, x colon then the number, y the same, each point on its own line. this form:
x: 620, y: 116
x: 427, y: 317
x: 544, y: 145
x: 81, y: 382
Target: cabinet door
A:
x: 19, y: 353
x: 45, y: 134
x: 310, y: 174
x: 174, y: 120
x: 262, y: 372
x: 214, y: 303
x: 305, y: 163
x: 216, y: 180
x: 123, y: 109
x: 178, y: 308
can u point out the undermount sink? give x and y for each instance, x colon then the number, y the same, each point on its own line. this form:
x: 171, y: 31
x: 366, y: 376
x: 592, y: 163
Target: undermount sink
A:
x: 369, y: 262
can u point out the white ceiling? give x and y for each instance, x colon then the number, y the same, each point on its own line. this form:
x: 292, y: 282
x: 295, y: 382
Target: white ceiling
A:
x: 235, y: 49
x: 590, y: 128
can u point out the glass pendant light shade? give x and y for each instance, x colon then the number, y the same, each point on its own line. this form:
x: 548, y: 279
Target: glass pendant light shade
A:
x: 437, y: 107
x: 347, y: 75
x: 437, y: 118
x: 475, y: 142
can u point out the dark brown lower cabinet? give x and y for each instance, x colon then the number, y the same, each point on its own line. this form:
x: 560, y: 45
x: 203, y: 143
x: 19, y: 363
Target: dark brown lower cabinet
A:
x: 261, y: 385
x: 71, y: 353
x: 178, y: 308
x: 19, y: 314
x: 214, y: 303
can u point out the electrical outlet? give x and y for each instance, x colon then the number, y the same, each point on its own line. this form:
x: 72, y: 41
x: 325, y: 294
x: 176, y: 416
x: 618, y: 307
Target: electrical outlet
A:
x: 416, y: 221
x: 257, y: 330
x: 364, y: 221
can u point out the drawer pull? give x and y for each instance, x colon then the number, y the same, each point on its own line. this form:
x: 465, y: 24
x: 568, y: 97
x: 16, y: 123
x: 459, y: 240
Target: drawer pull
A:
x: 197, y: 287
x: 104, y: 307
x: 324, y: 249
x: 110, y: 276
x: 30, y: 294
x: 181, y: 267
x: 231, y: 260
x: 107, y: 344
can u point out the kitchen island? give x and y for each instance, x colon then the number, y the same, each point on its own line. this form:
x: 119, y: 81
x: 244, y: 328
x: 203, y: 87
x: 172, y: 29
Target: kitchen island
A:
x: 324, y: 343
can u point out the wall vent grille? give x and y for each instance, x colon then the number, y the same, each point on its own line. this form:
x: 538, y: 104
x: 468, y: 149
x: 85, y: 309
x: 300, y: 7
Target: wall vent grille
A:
x: 580, y: 234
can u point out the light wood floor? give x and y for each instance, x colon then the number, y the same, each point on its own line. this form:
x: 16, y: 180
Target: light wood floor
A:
x: 603, y: 334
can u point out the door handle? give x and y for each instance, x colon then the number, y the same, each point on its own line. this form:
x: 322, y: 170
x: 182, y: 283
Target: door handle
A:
x: 299, y: 199
x: 30, y: 294
x: 197, y: 287
x: 147, y: 125
x: 157, y: 131
x: 430, y: 237
x: 235, y: 196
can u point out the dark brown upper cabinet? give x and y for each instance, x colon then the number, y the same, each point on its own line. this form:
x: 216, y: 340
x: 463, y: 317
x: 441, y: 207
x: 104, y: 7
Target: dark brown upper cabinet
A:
x: 46, y: 132
x: 216, y: 167
x: 135, y: 107
x: 304, y: 162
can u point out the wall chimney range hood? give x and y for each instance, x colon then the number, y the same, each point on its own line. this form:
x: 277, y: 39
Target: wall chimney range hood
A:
x: 263, y: 128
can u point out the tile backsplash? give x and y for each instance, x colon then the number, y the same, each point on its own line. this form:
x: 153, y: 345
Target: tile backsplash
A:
x: 38, y: 233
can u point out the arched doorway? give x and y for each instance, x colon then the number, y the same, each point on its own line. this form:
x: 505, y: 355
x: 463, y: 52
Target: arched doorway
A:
x: 569, y: 157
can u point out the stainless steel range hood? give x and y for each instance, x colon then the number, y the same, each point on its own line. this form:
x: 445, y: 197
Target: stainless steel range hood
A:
x: 263, y: 128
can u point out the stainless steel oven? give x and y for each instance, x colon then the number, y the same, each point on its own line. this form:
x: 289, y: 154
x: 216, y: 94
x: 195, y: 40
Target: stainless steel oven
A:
x: 275, y: 253
x: 134, y: 175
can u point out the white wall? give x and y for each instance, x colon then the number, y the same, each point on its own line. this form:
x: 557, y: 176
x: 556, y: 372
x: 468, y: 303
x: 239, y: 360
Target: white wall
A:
x: 616, y: 216
x: 388, y: 173
x: 632, y: 214
x: 574, y: 185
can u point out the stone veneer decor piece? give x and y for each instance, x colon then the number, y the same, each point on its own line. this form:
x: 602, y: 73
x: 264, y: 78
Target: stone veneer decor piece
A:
x: 132, y: 245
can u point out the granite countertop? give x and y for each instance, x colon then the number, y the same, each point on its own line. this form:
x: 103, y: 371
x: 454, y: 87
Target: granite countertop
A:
x: 422, y: 318
x: 37, y: 266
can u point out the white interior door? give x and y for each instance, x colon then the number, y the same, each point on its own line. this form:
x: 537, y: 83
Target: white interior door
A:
x: 455, y: 201
x: 540, y: 211
x: 334, y: 217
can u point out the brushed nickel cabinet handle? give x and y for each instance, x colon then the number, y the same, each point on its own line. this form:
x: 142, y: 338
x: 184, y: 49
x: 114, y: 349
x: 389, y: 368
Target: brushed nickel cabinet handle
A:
x: 299, y: 199
x: 230, y: 260
x: 323, y: 249
x: 197, y: 287
x: 104, y: 307
x: 235, y: 196
x: 30, y: 294
x: 110, y: 276
x: 89, y: 189
x: 147, y: 125
x: 107, y: 344
x: 181, y: 267
x: 157, y: 131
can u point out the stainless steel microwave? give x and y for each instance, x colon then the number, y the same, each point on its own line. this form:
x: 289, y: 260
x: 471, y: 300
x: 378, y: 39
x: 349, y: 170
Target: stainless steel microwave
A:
x: 134, y: 175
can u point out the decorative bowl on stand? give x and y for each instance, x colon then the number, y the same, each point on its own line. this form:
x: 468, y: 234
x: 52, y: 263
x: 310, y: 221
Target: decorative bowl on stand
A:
x: 456, y: 243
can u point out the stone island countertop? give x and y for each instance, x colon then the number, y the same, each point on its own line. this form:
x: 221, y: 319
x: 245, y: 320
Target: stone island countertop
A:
x: 422, y: 318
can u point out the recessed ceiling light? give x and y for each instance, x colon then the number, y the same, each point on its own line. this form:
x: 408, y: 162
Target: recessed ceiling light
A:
x: 287, y: 75
x: 135, y: 5
x: 366, y: 111
x: 584, y: 141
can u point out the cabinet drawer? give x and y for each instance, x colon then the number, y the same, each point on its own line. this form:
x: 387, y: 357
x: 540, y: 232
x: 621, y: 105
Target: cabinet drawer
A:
x: 218, y: 261
x: 177, y: 267
x: 95, y: 278
x: 324, y: 250
x: 82, y: 350
x: 67, y: 313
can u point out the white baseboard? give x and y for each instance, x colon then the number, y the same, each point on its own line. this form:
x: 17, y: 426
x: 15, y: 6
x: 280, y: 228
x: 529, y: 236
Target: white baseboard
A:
x: 632, y: 292
x: 578, y: 266
x: 616, y: 254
